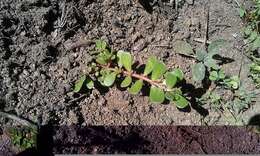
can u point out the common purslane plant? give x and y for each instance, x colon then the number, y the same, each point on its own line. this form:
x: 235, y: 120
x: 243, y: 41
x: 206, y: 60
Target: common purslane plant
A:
x: 108, y: 66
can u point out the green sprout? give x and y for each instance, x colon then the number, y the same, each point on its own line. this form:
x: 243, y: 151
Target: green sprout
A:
x: 206, y: 62
x: 108, y: 65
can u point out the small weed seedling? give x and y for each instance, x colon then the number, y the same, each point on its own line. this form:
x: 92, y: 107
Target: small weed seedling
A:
x: 255, y: 73
x: 23, y: 138
x: 108, y: 65
x: 206, y: 62
x: 252, y: 38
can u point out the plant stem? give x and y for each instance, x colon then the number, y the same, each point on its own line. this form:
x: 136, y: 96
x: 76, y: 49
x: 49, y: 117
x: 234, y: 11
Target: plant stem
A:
x: 138, y: 76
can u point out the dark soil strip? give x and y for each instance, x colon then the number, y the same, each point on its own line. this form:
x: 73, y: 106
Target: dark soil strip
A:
x: 147, y: 139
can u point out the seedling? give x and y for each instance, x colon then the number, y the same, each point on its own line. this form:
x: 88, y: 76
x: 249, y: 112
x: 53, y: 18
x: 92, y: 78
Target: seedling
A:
x: 213, y: 99
x: 23, y: 138
x: 108, y: 65
x: 241, y: 101
x: 255, y: 73
x: 206, y: 62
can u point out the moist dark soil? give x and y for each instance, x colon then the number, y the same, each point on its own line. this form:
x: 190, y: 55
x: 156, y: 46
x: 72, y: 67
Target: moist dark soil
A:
x: 144, y: 139
x: 39, y: 67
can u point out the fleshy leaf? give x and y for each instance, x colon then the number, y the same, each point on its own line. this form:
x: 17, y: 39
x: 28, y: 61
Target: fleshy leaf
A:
x: 184, y: 48
x: 180, y: 101
x: 119, y: 59
x: 170, y: 96
x: 136, y: 87
x: 127, y: 81
x: 104, y: 57
x: 201, y: 55
x: 171, y: 80
x: 158, y: 70
x: 215, y: 46
x: 110, y: 79
x: 178, y: 73
x: 198, y: 72
x: 149, y: 65
x: 101, y: 45
x: 79, y: 84
x: 125, y: 59
x: 89, y: 83
x: 156, y: 95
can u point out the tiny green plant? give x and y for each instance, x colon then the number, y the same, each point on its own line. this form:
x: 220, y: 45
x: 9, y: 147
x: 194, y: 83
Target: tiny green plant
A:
x: 206, y: 62
x: 23, y: 138
x: 108, y: 65
x: 252, y: 38
x: 255, y: 73
x: 213, y: 99
x: 242, y: 100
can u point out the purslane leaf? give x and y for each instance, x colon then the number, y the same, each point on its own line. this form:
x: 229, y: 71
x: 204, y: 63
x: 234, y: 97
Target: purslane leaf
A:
x: 101, y: 45
x: 180, y: 101
x: 125, y: 59
x: 136, y: 87
x: 110, y: 79
x: 178, y: 73
x: 79, y: 84
x: 149, y: 65
x: 89, y: 83
x: 158, y: 70
x: 156, y: 95
x: 126, y: 82
x: 171, y: 80
x: 198, y: 72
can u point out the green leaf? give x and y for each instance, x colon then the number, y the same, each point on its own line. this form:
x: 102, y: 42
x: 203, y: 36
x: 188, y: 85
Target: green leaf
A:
x: 171, y: 95
x: 110, y: 79
x: 178, y: 73
x: 158, y: 70
x: 125, y: 59
x: 104, y: 57
x: 127, y: 81
x: 89, y: 83
x: 215, y: 46
x: 213, y: 76
x: 256, y: 44
x: 201, y: 55
x: 232, y: 82
x: 180, y: 101
x: 101, y: 60
x: 150, y: 65
x: 156, y: 95
x: 248, y: 30
x: 211, y: 63
x: 136, y: 87
x: 79, y: 84
x: 221, y: 74
x: 171, y: 80
x: 182, y: 47
x: 101, y: 45
x: 198, y: 72
x: 252, y: 36
x: 242, y: 11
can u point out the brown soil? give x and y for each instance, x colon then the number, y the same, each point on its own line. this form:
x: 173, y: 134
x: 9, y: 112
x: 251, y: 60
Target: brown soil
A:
x: 38, y: 71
